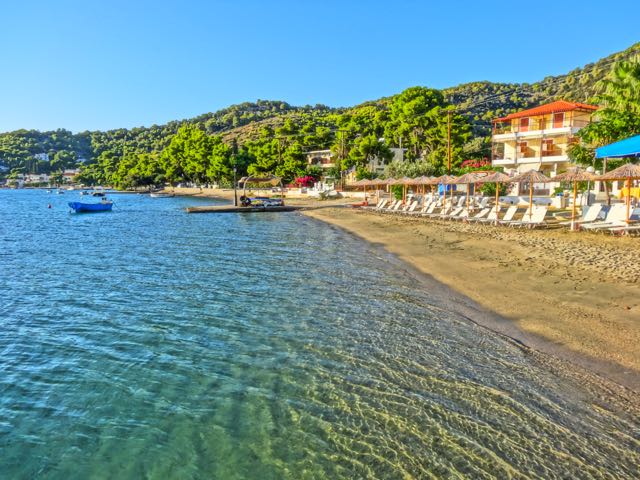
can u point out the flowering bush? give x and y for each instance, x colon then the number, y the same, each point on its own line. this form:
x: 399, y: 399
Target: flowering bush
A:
x: 306, y: 181
x: 474, y: 163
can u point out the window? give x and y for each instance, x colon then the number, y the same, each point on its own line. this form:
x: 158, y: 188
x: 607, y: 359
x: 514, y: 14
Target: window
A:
x: 524, y: 124
x: 547, y: 147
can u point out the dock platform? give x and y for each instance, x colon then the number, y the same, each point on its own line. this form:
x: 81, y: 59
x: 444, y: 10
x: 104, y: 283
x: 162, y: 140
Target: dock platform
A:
x: 234, y: 209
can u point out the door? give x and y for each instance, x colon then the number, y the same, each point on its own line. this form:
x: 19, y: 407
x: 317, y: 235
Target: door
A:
x: 558, y: 120
x: 524, y: 124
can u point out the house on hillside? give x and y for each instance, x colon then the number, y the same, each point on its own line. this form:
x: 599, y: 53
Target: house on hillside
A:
x: 539, y: 138
x: 69, y: 175
x: 320, y: 158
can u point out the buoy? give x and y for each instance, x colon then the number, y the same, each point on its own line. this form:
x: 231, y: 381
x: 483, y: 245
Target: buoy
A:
x: 49, y: 206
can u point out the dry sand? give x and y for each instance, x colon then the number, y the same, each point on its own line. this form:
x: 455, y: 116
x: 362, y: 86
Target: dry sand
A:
x: 574, y: 295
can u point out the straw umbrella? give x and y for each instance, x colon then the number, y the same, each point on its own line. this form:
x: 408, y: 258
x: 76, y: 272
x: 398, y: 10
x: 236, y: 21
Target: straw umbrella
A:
x: 377, y: 182
x: 468, y: 179
x: 574, y: 175
x: 423, y: 181
x: 388, y: 182
x: 497, y: 177
x: 531, y: 177
x: 627, y: 172
x: 444, y: 180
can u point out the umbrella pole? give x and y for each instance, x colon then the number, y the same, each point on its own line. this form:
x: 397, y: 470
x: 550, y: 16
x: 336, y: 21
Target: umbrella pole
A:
x: 364, y: 190
x: 573, y: 209
x: 530, y: 199
x: 444, y: 202
x: 468, y: 191
x: 628, y: 198
x: 497, y: 201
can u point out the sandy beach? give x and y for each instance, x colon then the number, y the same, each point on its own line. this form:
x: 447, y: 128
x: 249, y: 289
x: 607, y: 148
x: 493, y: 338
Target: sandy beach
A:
x: 574, y: 295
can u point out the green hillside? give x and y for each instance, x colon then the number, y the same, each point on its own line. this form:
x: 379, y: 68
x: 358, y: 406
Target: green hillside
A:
x: 272, y: 133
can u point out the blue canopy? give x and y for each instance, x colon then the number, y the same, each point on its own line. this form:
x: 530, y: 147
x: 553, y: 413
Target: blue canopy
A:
x: 629, y: 147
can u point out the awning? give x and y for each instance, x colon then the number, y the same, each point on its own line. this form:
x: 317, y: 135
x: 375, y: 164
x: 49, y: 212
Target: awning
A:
x: 629, y: 147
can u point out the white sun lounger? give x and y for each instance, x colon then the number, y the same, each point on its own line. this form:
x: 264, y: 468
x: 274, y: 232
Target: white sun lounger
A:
x: 616, y: 217
x: 492, y: 217
x: 430, y: 209
x: 536, y: 218
x: 478, y: 217
x: 509, y: 214
x: 381, y: 204
x: 591, y: 215
x: 411, y: 207
x: 452, y: 213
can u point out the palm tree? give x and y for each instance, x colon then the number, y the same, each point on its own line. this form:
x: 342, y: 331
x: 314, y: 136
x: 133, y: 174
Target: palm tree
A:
x: 621, y: 91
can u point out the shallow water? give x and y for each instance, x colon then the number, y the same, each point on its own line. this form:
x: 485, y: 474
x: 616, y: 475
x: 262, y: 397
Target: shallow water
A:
x: 147, y: 343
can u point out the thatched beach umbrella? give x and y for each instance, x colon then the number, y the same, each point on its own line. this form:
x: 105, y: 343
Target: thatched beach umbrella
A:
x: 388, y: 182
x: 531, y: 177
x: 444, y: 180
x: 497, y: 177
x: 627, y: 172
x: 574, y: 175
x: 468, y: 179
x: 377, y: 182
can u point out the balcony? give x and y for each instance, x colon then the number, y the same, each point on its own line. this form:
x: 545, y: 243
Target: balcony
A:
x: 545, y: 159
x: 537, y: 128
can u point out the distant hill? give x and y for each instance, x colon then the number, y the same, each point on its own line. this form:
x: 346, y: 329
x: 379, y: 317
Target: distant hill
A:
x: 479, y: 101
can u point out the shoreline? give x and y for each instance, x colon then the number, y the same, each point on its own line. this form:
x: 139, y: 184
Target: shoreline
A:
x: 571, y: 309
x: 513, y: 322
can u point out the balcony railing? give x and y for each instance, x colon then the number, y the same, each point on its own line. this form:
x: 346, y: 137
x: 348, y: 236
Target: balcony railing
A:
x: 536, y: 125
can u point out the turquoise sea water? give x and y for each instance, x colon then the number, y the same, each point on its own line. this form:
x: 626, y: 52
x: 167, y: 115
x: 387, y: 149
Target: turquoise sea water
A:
x: 148, y: 343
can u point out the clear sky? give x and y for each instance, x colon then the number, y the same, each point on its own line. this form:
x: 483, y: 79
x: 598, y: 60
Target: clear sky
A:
x: 85, y: 65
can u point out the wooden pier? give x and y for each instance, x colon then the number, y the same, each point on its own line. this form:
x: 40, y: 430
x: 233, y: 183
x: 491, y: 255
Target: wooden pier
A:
x: 233, y: 209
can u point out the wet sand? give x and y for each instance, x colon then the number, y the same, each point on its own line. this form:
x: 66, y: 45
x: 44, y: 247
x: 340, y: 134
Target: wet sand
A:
x: 572, y: 295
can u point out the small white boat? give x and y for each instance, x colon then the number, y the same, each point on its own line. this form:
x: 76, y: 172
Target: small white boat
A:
x: 162, y: 195
x: 60, y: 191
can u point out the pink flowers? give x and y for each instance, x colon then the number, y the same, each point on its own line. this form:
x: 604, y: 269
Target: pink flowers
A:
x: 475, y: 163
x: 306, y: 181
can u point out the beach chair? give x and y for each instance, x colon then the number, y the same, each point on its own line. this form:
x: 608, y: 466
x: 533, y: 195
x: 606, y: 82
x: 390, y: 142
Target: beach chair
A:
x: 393, y: 206
x: 492, y: 217
x: 430, y: 209
x: 410, y: 208
x: 590, y: 215
x: 422, y: 210
x: 481, y: 214
x: 481, y: 202
x: 462, y: 215
x: 508, y: 216
x: 451, y: 213
x: 536, y: 218
x: 616, y: 217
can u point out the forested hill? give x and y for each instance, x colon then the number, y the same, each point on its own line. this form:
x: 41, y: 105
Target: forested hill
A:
x: 484, y: 101
x: 479, y: 102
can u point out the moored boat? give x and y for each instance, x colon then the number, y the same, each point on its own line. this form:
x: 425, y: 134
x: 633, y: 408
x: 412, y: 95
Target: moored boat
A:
x: 81, y: 207
x: 162, y: 195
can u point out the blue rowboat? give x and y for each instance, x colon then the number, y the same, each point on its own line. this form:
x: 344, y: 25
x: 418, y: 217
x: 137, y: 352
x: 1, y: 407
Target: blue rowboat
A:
x: 80, y: 207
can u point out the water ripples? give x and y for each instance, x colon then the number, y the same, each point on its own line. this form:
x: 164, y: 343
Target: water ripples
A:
x: 148, y: 343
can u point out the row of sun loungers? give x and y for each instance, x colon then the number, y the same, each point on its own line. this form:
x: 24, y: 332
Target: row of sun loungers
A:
x: 595, y: 217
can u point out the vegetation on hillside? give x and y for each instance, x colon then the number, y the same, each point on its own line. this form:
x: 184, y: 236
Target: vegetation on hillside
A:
x: 272, y: 136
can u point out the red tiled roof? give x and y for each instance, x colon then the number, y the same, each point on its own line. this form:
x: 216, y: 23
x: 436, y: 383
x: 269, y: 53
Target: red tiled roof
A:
x: 553, y: 107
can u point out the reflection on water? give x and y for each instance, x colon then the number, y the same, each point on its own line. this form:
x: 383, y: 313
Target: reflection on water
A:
x: 148, y: 343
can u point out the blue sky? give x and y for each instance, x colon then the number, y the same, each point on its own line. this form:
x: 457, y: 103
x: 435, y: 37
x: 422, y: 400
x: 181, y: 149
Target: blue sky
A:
x: 100, y: 65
